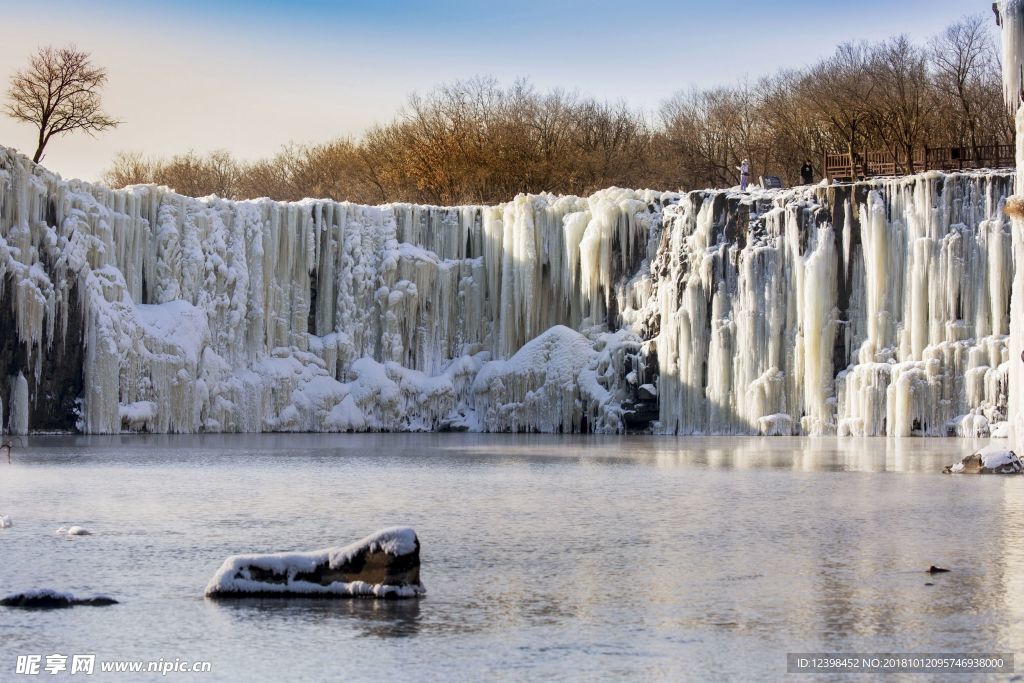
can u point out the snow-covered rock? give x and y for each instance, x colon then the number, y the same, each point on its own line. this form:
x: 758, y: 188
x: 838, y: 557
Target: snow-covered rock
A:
x: 991, y: 459
x: 538, y: 388
x: 6, y: 522
x: 971, y: 426
x: 383, y: 565
x: 47, y: 598
x: 779, y: 424
x: 73, y: 531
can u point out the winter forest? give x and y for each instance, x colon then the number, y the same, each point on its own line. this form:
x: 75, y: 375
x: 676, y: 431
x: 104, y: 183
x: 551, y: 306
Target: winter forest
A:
x: 476, y: 141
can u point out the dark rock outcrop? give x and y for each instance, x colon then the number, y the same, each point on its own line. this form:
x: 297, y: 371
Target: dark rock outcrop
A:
x: 51, y: 599
x: 60, y: 377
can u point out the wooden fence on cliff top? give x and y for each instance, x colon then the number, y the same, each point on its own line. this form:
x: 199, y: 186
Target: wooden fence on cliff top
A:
x: 852, y: 165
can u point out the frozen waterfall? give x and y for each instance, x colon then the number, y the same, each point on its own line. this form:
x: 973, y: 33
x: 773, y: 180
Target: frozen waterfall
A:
x: 1011, y: 20
x: 875, y: 308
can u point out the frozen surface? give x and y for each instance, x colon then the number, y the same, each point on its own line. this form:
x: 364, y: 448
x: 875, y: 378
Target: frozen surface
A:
x: 536, y: 558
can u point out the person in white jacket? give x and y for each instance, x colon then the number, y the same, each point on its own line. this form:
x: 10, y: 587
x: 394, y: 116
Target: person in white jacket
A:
x: 744, y: 169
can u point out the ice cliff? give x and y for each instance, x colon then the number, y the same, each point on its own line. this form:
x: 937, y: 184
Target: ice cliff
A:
x: 877, y: 308
x: 1010, y: 16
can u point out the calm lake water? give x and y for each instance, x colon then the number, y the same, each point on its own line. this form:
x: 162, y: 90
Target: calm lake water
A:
x: 545, y: 557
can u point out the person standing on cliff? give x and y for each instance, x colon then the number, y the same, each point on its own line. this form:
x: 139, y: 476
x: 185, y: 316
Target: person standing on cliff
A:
x: 744, y: 169
x: 807, y: 173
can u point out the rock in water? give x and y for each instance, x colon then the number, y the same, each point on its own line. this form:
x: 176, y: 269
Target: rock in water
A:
x: 991, y: 459
x: 5, y: 522
x: 383, y: 565
x: 47, y: 598
x: 73, y: 531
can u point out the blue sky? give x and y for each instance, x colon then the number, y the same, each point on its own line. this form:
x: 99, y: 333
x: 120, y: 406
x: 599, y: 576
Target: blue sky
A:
x: 249, y: 76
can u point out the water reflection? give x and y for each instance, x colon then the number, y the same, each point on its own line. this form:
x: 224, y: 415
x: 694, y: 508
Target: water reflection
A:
x: 810, y: 454
x: 369, y: 618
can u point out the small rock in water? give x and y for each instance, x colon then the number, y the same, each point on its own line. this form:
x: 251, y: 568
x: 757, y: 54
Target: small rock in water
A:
x: 928, y: 583
x: 47, y: 598
x: 383, y: 565
x: 936, y: 570
x: 5, y: 522
x: 991, y: 459
x: 73, y: 531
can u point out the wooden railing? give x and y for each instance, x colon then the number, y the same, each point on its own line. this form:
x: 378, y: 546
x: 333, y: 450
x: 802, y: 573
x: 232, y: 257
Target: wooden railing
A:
x: 853, y: 165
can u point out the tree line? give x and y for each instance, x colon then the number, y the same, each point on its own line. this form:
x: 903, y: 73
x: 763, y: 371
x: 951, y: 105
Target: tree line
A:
x: 477, y: 141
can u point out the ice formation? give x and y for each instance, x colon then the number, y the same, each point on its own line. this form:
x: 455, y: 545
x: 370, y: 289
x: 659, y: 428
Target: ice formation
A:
x: 875, y: 308
x: 1011, y: 19
x: 883, y: 309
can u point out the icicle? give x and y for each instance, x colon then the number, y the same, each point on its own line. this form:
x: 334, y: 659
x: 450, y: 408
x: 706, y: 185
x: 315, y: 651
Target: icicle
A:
x: 1011, y: 19
x: 18, y: 405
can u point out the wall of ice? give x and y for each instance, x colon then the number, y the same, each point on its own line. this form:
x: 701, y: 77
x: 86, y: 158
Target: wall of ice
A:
x: 1011, y: 19
x: 880, y: 308
x: 192, y: 315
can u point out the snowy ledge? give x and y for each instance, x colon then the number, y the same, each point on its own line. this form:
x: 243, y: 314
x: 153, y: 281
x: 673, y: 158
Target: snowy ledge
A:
x: 383, y: 565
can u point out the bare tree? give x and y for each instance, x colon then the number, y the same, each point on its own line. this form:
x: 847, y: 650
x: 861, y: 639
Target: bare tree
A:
x: 59, y: 93
x: 961, y: 59
x: 838, y: 94
x: 904, y: 109
x: 130, y: 168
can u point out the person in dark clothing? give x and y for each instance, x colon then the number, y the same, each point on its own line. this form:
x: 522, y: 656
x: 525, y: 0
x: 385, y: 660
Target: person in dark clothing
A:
x: 807, y: 173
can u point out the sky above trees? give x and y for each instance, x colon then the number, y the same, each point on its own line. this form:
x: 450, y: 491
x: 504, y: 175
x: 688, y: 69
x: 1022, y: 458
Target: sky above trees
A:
x: 250, y: 76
